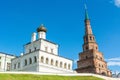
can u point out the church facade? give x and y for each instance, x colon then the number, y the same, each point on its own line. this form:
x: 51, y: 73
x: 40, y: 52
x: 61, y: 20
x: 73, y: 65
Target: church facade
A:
x: 91, y: 60
x: 41, y: 55
x: 5, y: 61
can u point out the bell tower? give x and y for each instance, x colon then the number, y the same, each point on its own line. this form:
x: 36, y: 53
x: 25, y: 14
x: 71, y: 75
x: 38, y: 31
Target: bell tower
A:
x: 91, y: 60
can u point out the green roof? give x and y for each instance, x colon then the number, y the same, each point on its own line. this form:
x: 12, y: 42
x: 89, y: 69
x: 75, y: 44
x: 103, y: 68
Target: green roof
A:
x: 86, y: 13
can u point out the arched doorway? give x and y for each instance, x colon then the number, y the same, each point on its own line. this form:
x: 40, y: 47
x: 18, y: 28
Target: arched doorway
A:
x: 103, y: 73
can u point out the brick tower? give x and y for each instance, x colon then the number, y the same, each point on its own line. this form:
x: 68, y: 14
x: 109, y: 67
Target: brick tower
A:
x: 91, y: 60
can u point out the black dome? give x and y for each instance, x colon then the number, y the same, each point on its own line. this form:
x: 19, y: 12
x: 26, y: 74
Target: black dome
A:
x: 41, y: 28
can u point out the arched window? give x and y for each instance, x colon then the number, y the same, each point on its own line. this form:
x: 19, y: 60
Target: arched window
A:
x: 96, y: 48
x: 46, y: 49
x: 25, y: 62
x: 99, y: 65
x: 19, y: 65
x: 51, y: 50
x: 86, y: 47
x: 102, y: 66
x: 47, y: 60
x: 51, y: 61
x: 61, y: 64
x: 30, y: 51
x: 56, y: 63
x: 42, y: 59
x: 14, y: 66
x: 68, y: 66
x: 35, y: 48
x: 30, y: 61
x: 65, y: 65
x: 35, y: 59
x: 90, y: 38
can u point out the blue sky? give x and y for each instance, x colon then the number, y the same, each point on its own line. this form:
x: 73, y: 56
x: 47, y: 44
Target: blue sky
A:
x: 64, y: 20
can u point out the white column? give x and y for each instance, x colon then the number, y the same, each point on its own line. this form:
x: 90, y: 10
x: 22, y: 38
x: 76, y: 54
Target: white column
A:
x: 33, y: 38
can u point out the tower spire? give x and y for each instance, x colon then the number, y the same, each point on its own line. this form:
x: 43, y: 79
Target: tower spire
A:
x: 89, y: 38
x: 87, y: 22
x: 86, y: 13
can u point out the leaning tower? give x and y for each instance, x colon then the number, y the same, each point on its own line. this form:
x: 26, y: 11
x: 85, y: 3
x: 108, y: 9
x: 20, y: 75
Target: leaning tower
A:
x: 91, y: 60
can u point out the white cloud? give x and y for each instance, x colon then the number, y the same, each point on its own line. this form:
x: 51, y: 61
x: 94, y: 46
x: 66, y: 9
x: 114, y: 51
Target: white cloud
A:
x: 113, y: 61
x: 117, y: 3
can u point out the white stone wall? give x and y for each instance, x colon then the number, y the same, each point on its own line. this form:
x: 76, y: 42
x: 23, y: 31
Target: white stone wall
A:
x: 29, y: 66
x: 55, y: 58
x: 52, y: 66
x: 43, y: 45
x: 42, y: 66
x: 5, y: 60
x: 50, y: 46
x: 32, y: 46
x: 52, y: 69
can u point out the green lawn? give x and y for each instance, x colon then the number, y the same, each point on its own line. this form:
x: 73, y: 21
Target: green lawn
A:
x: 44, y: 77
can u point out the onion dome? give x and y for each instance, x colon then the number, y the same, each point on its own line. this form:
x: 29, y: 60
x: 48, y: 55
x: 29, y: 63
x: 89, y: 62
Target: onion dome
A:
x: 41, y: 28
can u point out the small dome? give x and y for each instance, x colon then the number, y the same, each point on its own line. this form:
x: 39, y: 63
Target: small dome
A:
x: 41, y: 28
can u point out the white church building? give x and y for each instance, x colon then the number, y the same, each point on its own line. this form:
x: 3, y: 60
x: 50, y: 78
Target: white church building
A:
x: 5, y: 61
x: 41, y: 55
